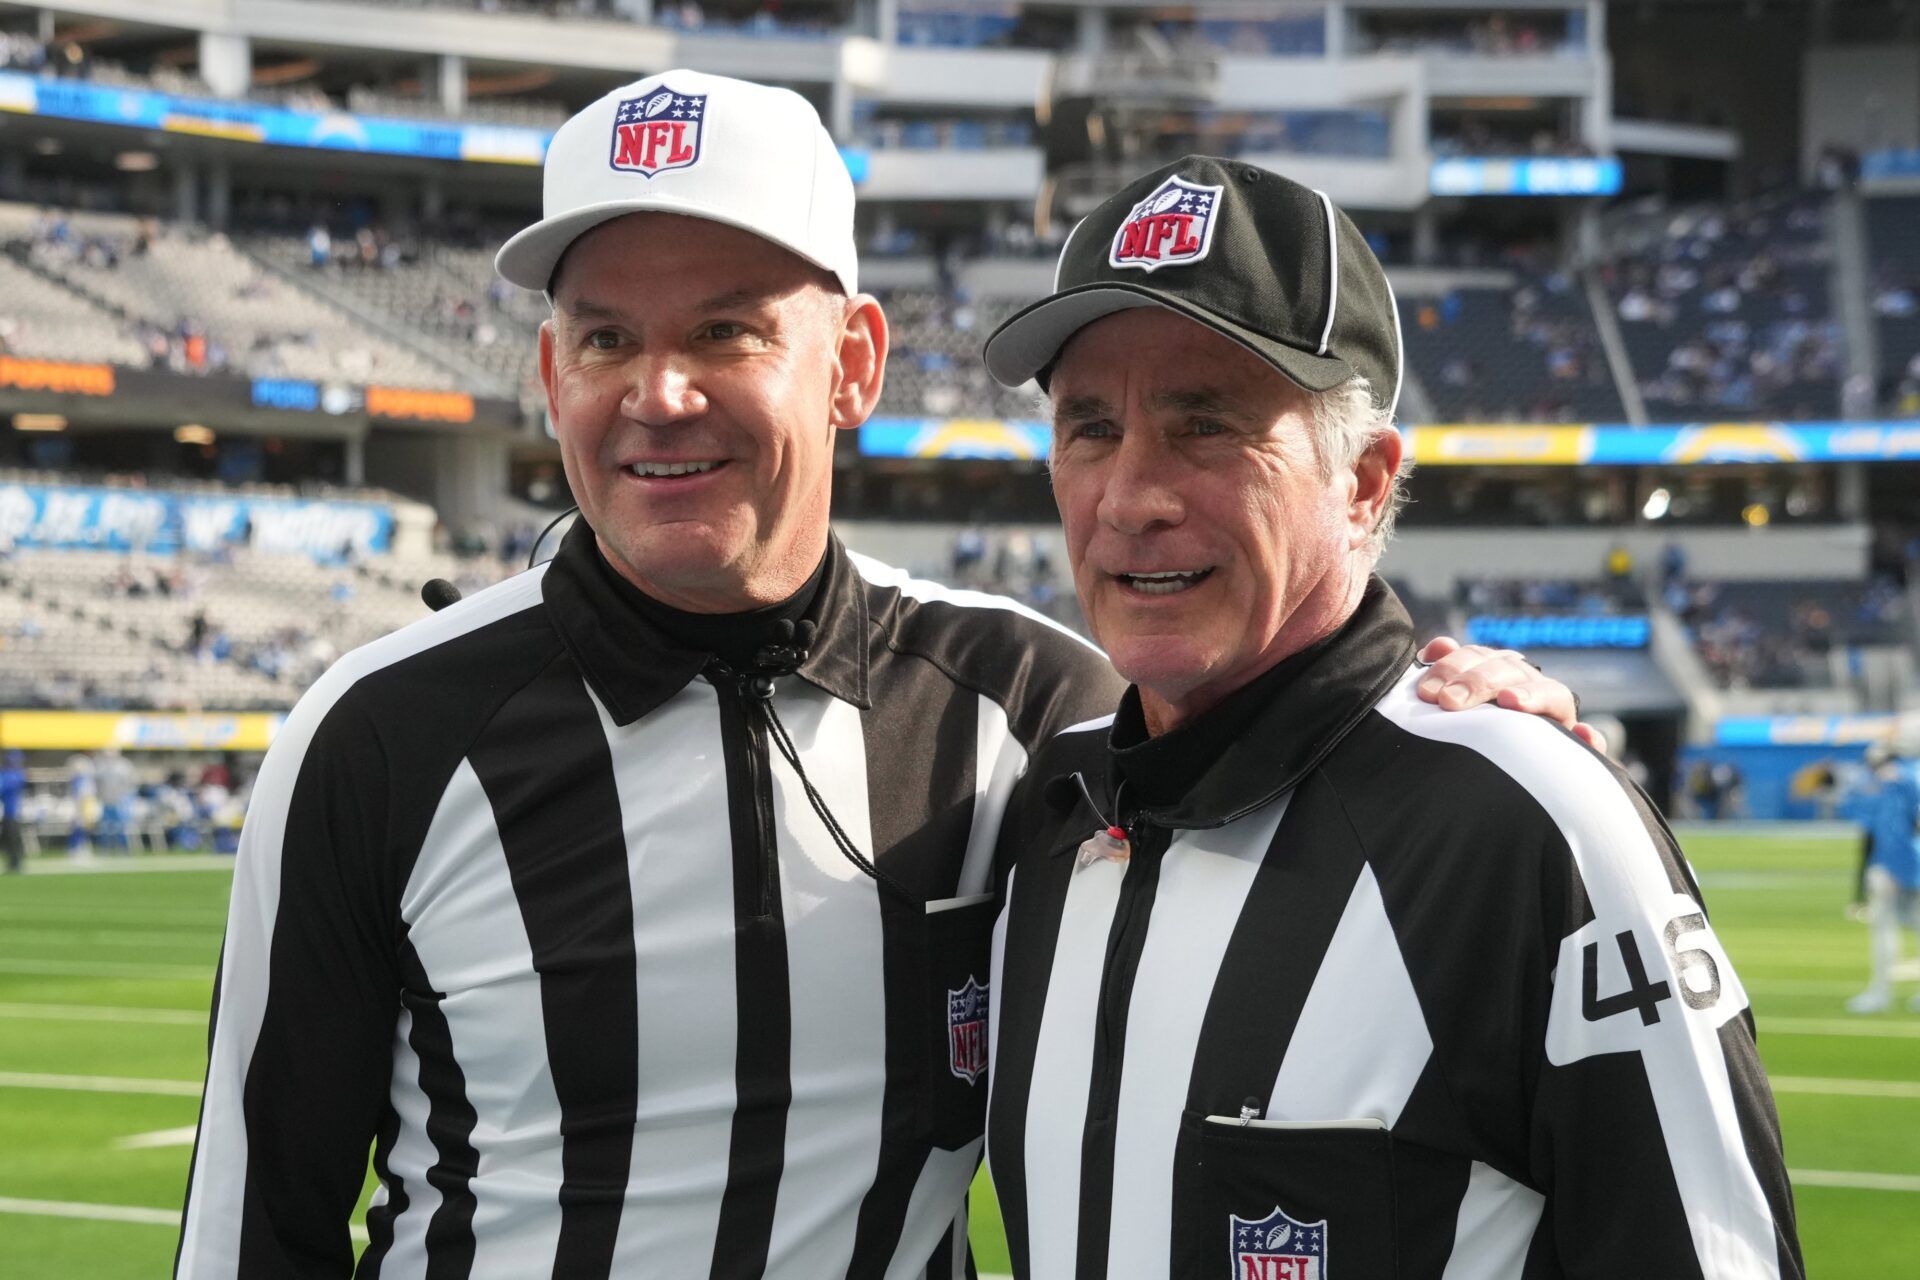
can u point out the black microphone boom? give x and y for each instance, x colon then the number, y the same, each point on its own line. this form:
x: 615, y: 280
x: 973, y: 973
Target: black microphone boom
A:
x: 438, y: 593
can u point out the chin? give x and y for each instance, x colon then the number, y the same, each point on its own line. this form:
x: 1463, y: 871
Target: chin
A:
x: 678, y: 553
x: 1168, y: 665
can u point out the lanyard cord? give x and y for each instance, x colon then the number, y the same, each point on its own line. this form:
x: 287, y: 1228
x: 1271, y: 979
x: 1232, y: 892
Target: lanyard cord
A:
x: 1117, y: 791
x: 783, y: 657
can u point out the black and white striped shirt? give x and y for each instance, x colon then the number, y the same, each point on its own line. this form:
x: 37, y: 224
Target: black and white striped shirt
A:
x: 1387, y: 991
x: 527, y: 901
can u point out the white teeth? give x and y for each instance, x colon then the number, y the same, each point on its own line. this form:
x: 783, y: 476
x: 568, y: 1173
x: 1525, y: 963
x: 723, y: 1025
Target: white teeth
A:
x: 671, y: 468
x: 1166, y: 582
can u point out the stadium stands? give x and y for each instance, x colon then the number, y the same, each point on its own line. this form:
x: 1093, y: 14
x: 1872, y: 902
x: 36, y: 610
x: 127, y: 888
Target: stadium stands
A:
x: 1893, y: 235
x: 1785, y: 635
x: 1528, y: 353
x: 1726, y: 311
x: 199, y: 304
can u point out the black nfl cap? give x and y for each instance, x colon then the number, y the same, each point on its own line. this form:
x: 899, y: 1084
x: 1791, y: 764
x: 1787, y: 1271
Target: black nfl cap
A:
x: 1255, y: 257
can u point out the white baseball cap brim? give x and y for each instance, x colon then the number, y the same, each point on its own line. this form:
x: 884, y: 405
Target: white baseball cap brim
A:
x: 764, y: 164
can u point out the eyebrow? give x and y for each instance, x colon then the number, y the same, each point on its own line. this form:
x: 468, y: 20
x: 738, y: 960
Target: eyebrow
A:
x: 588, y: 309
x: 1205, y: 400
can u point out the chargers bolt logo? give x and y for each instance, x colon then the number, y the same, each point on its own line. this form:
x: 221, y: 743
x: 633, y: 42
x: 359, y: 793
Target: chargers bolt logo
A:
x: 658, y: 132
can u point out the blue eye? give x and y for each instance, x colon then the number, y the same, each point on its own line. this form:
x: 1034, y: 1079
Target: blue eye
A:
x: 611, y: 339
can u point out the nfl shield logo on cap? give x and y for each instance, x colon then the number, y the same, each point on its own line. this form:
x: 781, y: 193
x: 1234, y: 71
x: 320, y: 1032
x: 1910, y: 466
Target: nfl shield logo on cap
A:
x: 658, y: 132
x: 1171, y: 226
x: 1278, y: 1247
x: 967, y: 1031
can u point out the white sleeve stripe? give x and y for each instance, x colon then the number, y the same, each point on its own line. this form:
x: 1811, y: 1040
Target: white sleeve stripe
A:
x: 885, y: 575
x: 1495, y: 1227
x: 1625, y: 878
x: 210, y: 1233
x: 998, y: 762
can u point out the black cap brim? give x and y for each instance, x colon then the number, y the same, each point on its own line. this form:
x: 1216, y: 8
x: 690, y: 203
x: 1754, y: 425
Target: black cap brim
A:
x: 1026, y: 346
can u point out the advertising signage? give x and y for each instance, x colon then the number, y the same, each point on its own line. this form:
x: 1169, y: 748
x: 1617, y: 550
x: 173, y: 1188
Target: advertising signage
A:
x: 257, y: 122
x: 78, y: 517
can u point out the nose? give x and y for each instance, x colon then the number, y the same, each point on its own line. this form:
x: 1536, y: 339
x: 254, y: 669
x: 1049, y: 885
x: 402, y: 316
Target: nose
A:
x: 662, y: 392
x: 1139, y: 495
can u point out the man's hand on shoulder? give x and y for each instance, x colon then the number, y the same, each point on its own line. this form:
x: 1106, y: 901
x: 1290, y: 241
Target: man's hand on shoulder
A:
x: 1464, y: 676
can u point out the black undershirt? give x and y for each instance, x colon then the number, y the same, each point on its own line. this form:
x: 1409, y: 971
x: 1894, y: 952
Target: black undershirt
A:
x: 1159, y: 770
x: 733, y: 638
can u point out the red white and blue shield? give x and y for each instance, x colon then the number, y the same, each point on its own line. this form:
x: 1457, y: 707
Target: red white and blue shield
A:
x: 1172, y: 226
x: 658, y: 132
x: 967, y: 1031
x: 1279, y: 1247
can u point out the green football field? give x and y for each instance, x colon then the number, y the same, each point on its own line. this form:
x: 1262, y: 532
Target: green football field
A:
x: 105, y: 978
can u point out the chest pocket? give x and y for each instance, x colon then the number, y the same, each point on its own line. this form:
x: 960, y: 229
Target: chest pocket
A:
x: 1264, y: 1200
x: 938, y: 958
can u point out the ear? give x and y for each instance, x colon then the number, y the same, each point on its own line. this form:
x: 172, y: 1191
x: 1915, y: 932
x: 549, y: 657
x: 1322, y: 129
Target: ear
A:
x: 862, y: 363
x: 546, y: 370
x: 1373, y: 476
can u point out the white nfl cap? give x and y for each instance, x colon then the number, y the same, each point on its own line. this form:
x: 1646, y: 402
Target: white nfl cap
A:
x: 729, y: 151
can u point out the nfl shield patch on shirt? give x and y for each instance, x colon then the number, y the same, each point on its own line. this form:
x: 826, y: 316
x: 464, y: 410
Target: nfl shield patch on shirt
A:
x: 1173, y: 225
x: 1278, y: 1247
x: 658, y: 132
x: 967, y: 1031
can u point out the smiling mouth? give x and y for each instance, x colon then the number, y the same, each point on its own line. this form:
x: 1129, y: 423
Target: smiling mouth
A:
x: 665, y: 470
x: 1166, y: 583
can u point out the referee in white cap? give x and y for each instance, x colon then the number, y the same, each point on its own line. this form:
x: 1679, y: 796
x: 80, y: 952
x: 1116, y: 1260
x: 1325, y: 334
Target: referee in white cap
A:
x: 635, y: 912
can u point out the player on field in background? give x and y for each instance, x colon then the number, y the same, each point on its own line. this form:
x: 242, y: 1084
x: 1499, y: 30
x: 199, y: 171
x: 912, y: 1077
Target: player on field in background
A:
x: 1890, y: 812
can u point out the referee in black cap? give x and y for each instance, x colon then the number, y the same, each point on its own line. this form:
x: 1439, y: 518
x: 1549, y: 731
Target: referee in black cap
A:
x: 1298, y: 976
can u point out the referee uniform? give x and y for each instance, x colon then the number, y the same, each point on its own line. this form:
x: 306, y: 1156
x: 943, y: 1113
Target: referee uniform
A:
x: 531, y: 900
x: 1382, y: 991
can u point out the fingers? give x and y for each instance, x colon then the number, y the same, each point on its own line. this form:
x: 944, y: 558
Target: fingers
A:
x: 1591, y: 736
x: 1437, y: 648
x: 1469, y: 675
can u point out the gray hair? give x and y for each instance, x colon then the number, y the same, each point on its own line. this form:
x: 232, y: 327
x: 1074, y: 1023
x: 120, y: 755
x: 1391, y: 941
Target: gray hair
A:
x: 1344, y: 422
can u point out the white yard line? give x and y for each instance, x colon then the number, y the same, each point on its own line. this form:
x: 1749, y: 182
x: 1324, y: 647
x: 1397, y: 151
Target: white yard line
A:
x: 1861, y: 1026
x: 90, y: 969
x: 1847, y: 1088
x: 99, y: 1084
x: 115, y: 1213
x: 1851, y: 1181
x: 116, y: 1013
x: 86, y: 866
x: 92, y: 1212
x: 182, y: 1137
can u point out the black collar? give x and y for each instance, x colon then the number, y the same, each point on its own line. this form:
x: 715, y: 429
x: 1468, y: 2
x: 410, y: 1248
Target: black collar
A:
x: 1268, y: 737
x: 633, y: 666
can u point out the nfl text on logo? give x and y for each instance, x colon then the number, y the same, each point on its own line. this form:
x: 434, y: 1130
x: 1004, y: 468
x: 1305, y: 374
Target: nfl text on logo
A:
x: 967, y: 1031
x: 1278, y: 1247
x: 658, y: 132
x: 1171, y: 226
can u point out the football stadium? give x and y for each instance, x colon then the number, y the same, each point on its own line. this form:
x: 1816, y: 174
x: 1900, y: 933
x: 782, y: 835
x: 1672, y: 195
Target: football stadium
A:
x: 1655, y: 269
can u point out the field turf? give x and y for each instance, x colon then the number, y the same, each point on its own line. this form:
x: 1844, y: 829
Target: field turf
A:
x: 105, y: 978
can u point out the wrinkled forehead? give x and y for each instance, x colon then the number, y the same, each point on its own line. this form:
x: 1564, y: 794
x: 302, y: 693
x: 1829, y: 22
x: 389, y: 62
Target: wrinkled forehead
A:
x: 1160, y: 359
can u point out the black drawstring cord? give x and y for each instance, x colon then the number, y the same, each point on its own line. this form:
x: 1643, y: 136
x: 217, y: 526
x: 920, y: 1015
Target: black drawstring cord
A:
x: 784, y: 656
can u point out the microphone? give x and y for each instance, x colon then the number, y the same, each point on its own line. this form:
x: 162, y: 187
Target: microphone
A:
x: 438, y: 593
